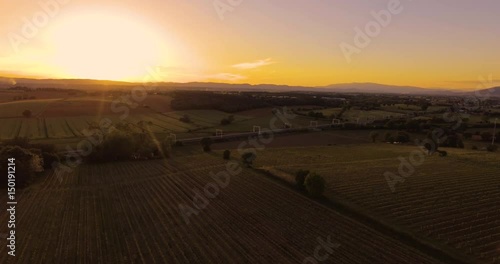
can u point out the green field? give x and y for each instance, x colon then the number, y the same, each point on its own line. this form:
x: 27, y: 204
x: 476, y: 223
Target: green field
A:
x: 403, y: 108
x: 15, y: 109
x: 10, y: 128
x: 203, y: 122
x: 352, y: 115
x: 33, y: 128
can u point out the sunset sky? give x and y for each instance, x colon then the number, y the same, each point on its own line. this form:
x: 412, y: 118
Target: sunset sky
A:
x: 428, y: 43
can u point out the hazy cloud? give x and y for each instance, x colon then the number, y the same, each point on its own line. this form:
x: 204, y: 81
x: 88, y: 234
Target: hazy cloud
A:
x: 227, y: 77
x: 253, y: 65
x: 182, y: 74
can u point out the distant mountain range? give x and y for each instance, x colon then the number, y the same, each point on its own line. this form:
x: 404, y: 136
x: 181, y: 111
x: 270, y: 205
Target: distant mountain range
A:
x: 335, y: 88
x: 382, y: 88
x: 493, y: 92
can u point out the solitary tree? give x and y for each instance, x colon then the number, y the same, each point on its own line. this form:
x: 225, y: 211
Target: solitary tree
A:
x: 248, y: 158
x: 432, y: 145
x: 166, y: 147
x: 300, y: 178
x: 27, y: 113
x: 207, y: 144
x: 388, y: 137
x: 315, y: 185
x: 402, y: 137
x: 374, y: 135
x: 226, y: 155
x: 185, y: 119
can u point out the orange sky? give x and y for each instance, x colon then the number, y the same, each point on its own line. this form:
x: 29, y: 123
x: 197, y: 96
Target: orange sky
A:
x: 448, y: 43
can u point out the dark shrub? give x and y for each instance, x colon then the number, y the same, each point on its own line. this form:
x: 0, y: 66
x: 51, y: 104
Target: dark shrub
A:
x: 185, y: 119
x: 23, y: 163
x: 226, y: 155
x: 442, y: 153
x: 206, y: 143
x: 403, y: 137
x: 492, y: 148
x: 315, y: 185
x: 486, y: 136
x: 374, y: 135
x: 227, y: 121
x: 49, y: 159
x: 248, y: 158
x: 27, y: 113
x: 300, y: 178
x: 22, y: 142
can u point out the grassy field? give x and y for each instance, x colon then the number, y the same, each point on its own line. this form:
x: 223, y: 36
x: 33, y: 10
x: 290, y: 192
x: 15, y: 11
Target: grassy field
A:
x: 10, y: 128
x: 72, y: 126
x: 15, y: 109
x: 403, y: 108
x: 33, y: 128
x: 310, y: 139
x: 202, y: 122
x: 67, y: 117
x: 128, y: 213
x: 353, y: 115
x: 457, y: 207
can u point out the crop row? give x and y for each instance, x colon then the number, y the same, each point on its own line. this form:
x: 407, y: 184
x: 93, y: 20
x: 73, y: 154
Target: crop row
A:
x: 128, y: 213
x: 446, y: 200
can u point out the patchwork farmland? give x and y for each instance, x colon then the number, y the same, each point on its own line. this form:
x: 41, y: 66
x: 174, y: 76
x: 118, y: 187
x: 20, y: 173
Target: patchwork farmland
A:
x: 68, y: 118
x: 109, y: 211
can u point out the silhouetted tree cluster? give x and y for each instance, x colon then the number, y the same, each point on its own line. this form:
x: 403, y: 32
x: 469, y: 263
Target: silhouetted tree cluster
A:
x: 27, y: 113
x: 185, y: 119
x: 123, y: 143
x: 227, y: 121
x: 27, y: 163
x: 226, y: 154
x: 300, y: 179
x: 316, y: 114
x: 248, y: 158
x: 206, y: 143
x: 315, y: 185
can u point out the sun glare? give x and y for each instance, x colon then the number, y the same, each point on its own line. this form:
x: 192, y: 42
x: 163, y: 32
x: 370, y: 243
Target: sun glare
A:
x: 104, y: 46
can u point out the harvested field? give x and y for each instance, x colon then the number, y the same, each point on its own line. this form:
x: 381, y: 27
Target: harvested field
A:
x: 15, y: 109
x: 128, y: 213
x: 458, y: 208
x: 90, y: 106
x: 335, y: 137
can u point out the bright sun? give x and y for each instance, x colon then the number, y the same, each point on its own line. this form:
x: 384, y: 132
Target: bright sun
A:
x: 104, y: 46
